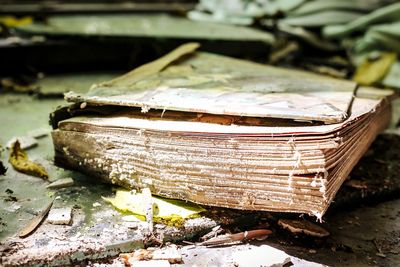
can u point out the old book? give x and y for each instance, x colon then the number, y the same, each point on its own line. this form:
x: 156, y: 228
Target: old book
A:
x: 221, y: 132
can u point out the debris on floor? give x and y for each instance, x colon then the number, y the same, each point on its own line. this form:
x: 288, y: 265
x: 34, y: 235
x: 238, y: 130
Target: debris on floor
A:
x: 169, y: 253
x: 357, y: 184
x: 263, y: 151
x: 303, y: 227
x: 20, y: 161
x: 213, y: 233
x: 168, y: 211
x: 371, y: 71
x: 96, y: 205
x: 60, y: 216
x: 153, y: 26
x: 229, y: 239
x: 105, y: 224
x: 267, y: 256
x: 61, y: 183
x: 247, y: 255
x: 35, y: 222
x: 388, y: 244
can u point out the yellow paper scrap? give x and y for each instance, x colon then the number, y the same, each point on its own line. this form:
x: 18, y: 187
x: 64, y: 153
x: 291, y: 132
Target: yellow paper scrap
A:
x: 11, y: 21
x: 168, y: 211
x: 372, y: 71
x: 20, y: 161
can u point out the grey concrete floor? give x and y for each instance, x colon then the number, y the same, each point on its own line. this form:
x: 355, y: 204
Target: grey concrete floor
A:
x: 356, y: 234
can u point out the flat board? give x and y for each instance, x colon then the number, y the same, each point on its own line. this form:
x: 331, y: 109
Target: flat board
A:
x: 155, y: 25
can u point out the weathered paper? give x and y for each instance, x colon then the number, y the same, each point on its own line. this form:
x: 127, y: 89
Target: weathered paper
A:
x: 208, y: 83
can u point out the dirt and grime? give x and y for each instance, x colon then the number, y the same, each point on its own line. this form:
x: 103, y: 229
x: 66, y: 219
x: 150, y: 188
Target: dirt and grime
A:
x: 363, y: 223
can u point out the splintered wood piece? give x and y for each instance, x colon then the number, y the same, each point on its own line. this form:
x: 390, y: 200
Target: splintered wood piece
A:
x: 235, y: 238
x: 303, y: 227
x: 169, y: 253
x: 61, y: 183
x: 35, y: 222
x: 213, y: 233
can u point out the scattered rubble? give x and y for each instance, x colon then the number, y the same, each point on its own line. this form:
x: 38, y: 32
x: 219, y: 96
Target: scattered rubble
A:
x: 213, y: 233
x: 267, y: 256
x: 96, y: 205
x: 303, y: 227
x: 35, y: 222
x: 166, y: 211
x: 61, y: 183
x: 356, y: 184
x: 60, y: 216
x: 221, y: 240
x: 9, y: 197
x: 388, y: 244
x: 169, y: 254
x: 20, y: 161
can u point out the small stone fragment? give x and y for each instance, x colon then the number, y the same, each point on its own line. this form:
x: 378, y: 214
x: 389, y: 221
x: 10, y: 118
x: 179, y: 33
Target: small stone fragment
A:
x: 263, y: 255
x: 303, y: 227
x: 61, y: 183
x: 25, y: 142
x: 137, y: 255
x: 60, y: 216
x: 170, y: 253
x: 96, y: 204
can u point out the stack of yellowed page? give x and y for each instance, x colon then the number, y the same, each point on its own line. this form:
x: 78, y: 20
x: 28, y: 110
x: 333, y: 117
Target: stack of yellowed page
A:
x: 222, y: 132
